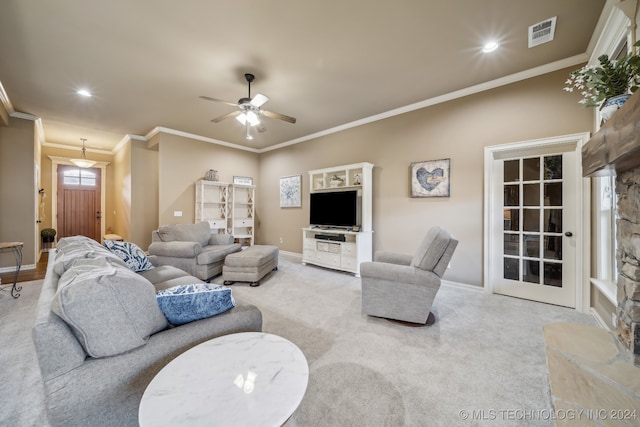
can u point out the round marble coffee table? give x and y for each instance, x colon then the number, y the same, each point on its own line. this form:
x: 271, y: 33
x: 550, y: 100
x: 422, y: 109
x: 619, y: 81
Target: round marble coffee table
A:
x: 244, y: 379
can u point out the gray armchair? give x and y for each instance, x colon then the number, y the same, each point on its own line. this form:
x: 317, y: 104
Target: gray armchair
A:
x: 403, y: 287
x: 192, y: 248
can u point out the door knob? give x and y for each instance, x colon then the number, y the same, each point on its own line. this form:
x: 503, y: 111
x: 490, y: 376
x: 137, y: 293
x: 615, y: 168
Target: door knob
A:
x: 568, y: 234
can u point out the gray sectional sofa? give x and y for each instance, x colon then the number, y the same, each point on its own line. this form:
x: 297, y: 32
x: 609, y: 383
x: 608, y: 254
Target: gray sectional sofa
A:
x: 192, y: 248
x: 100, y: 336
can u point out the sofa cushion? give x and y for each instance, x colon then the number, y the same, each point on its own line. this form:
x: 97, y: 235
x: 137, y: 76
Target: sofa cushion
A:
x: 186, y: 303
x: 73, y: 249
x: 175, y: 249
x: 74, y: 240
x: 221, y: 239
x: 109, y: 308
x: 432, y: 248
x: 162, y: 273
x: 130, y: 253
x: 216, y: 253
x: 200, y: 232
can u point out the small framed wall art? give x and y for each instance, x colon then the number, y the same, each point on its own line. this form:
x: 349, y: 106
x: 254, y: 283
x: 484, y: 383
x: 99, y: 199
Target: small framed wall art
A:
x: 430, y: 178
x: 290, y: 191
x: 243, y: 180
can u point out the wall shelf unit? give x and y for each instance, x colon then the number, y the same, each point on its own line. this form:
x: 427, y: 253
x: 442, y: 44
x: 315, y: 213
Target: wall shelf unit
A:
x: 336, y: 248
x: 242, y: 200
x: 211, y: 204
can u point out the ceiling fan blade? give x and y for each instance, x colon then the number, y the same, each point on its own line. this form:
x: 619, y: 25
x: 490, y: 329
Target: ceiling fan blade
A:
x: 279, y: 116
x: 208, y: 98
x: 226, y: 116
x: 259, y: 100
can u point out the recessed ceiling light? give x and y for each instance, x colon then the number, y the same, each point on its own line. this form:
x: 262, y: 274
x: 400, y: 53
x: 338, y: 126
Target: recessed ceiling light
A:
x: 84, y: 92
x: 490, y: 46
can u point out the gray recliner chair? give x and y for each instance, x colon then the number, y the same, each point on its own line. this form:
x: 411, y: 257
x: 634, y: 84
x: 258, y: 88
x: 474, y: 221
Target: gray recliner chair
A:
x: 403, y: 287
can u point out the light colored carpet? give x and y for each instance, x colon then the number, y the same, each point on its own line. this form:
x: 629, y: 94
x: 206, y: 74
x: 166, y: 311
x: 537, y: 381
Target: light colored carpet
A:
x: 485, y: 354
x: 21, y: 392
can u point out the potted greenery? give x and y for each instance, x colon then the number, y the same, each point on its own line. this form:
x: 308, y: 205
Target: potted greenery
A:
x: 48, y: 235
x: 335, y: 180
x: 608, y: 85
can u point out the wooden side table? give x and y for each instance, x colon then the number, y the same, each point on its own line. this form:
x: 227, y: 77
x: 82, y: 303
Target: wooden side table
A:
x: 16, y: 248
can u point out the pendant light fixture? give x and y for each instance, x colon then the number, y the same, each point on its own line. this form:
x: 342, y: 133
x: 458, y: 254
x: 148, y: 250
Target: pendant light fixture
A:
x: 82, y: 162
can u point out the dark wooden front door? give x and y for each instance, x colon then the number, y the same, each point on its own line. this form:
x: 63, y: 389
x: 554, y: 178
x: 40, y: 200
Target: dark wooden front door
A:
x: 79, y: 208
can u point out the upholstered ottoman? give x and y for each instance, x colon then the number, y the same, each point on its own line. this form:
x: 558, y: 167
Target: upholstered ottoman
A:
x: 250, y: 265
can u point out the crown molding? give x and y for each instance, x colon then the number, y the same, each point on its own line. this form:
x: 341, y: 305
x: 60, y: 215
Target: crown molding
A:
x: 615, y: 30
x: 503, y: 81
x: 160, y: 129
x: 67, y: 161
x: 25, y: 116
x: 6, y: 108
x: 73, y: 147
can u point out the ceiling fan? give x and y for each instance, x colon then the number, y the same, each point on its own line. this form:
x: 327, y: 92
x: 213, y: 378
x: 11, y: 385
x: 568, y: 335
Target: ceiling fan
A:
x: 249, y: 110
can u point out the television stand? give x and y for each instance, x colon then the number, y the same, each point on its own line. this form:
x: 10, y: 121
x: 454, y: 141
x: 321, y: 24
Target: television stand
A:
x: 337, y: 249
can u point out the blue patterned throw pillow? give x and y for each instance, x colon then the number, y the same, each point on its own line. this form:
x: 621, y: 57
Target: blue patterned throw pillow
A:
x: 186, y: 303
x: 131, y: 254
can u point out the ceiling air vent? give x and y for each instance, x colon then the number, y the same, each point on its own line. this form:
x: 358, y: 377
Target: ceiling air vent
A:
x: 542, y: 32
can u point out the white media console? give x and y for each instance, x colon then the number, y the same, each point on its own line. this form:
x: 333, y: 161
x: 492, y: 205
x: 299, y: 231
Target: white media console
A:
x: 335, y: 248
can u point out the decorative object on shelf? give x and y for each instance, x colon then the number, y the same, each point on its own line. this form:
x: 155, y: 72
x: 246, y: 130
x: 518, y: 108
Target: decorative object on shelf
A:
x: 430, y: 178
x: 611, y: 105
x: 335, y: 181
x: 357, y: 179
x: 83, y: 162
x: 612, y: 78
x: 290, y: 191
x: 211, y: 175
x: 48, y: 235
x: 242, y: 180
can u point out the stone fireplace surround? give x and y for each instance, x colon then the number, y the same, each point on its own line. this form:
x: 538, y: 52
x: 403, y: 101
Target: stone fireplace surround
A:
x: 615, y: 150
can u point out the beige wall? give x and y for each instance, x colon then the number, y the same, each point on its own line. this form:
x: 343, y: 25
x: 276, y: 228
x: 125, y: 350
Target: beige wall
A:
x: 144, y: 193
x: 118, y: 217
x: 18, y: 190
x: 458, y: 130
x: 182, y: 161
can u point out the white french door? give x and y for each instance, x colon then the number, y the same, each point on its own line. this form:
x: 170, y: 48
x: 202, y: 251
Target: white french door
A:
x: 534, y: 220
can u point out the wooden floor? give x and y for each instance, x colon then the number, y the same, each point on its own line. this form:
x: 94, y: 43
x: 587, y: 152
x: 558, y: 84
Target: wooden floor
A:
x: 27, y: 275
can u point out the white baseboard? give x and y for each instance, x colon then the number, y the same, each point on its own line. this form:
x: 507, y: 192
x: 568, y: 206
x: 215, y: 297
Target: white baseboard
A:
x: 291, y: 254
x: 599, y: 320
x: 13, y: 268
x: 463, y: 286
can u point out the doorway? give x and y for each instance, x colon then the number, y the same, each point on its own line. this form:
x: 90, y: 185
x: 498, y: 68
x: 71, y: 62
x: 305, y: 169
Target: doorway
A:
x: 533, y: 220
x: 79, y: 202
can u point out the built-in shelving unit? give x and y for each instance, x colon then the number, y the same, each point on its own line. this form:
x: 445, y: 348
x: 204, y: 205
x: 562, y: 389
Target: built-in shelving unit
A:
x: 242, y: 200
x: 336, y: 248
x: 211, y: 204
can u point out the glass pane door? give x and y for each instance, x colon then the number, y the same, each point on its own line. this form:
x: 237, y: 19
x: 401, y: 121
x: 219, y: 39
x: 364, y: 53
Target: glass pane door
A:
x: 532, y: 212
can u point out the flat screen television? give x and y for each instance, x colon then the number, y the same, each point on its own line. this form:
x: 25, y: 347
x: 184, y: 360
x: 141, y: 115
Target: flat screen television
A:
x: 340, y: 209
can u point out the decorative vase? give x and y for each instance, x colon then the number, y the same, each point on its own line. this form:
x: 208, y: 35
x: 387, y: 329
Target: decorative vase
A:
x: 611, y: 105
x: 211, y: 175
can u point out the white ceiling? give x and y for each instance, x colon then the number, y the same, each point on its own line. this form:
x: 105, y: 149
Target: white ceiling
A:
x: 327, y: 63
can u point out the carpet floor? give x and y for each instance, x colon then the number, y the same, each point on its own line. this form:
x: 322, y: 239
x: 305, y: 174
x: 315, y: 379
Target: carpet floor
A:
x: 482, y: 363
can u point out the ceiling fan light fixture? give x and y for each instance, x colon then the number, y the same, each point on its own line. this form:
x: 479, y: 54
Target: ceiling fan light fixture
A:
x: 248, y: 117
x: 83, y: 162
x: 252, y: 118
